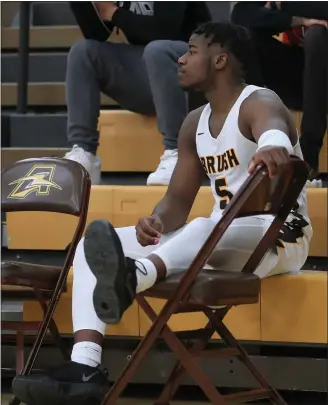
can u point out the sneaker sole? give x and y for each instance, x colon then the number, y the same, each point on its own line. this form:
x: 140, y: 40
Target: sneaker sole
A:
x: 44, y: 391
x: 105, y: 257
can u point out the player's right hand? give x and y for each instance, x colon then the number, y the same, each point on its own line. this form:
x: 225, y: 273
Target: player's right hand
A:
x: 149, y: 230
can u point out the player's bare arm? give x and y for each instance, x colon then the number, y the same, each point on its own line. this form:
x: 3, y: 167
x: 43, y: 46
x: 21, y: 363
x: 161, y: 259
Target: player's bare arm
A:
x: 172, y: 211
x: 266, y: 120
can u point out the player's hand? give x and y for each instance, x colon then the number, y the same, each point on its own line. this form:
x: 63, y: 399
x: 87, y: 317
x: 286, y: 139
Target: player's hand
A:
x: 308, y: 22
x: 275, y: 159
x: 149, y: 230
x: 106, y: 9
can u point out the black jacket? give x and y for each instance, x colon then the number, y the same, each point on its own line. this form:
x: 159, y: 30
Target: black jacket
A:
x: 173, y: 20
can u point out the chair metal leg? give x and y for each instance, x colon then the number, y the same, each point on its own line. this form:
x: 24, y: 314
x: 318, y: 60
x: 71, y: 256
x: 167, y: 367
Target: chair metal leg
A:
x: 19, y: 351
x: 55, y: 332
x: 35, y: 348
x: 187, y: 360
x: 173, y: 382
x: 158, y: 329
x: 230, y: 340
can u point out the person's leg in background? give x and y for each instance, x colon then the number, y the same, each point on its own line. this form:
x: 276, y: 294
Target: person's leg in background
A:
x: 135, y: 77
x: 299, y: 76
x: 315, y: 94
x: 161, y: 60
x: 281, y: 67
x: 117, y: 70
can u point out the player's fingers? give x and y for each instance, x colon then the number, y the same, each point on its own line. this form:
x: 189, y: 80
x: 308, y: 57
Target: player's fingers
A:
x: 281, y: 158
x: 144, y: 239
x: 265, y: 158
x: 271, y: 165
x: 255, y: 161
x: 147, y: 228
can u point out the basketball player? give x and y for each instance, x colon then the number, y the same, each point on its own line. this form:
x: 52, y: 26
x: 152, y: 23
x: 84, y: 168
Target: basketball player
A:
x: 241, y: 127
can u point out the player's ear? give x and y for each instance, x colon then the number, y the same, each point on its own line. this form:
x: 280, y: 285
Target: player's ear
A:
x: 220, y: 61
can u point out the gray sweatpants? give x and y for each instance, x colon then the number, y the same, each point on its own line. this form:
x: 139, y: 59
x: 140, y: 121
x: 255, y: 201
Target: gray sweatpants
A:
x: 141, y: 79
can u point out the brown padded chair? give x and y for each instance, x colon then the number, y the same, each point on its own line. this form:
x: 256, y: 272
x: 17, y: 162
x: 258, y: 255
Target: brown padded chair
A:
x: 42, y: 184
x: 208, y: 291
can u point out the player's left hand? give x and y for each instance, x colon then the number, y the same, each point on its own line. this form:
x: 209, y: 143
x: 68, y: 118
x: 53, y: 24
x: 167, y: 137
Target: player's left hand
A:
x: 275, y: 158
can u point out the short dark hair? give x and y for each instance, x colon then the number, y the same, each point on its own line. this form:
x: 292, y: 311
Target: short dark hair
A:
x: 235, y: 38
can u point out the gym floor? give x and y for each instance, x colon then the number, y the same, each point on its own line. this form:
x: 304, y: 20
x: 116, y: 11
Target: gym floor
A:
x: 144, y: 395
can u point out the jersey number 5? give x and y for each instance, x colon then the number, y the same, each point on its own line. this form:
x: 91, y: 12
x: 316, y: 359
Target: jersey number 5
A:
x: 223, y: 192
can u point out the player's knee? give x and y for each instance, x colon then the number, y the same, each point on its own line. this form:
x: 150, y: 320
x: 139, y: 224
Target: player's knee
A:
x: 316, y: 39
x: 82, y: 50
x: 155, y: 51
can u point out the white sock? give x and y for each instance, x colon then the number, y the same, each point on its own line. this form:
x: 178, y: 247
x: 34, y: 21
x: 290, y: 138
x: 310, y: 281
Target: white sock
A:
x: 146, y: 274
x: 87, y: 353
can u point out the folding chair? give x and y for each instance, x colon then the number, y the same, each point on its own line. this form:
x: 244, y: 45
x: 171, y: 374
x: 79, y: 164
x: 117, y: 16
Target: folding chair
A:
x: 215, y: 292
x: 42, y: 184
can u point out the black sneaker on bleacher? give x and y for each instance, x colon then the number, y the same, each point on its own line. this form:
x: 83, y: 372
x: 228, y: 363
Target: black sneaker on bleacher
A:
x: 71, y: 383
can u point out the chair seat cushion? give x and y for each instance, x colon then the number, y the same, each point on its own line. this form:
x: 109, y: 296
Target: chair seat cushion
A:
x: 213, y: 288
x: 29, y: 275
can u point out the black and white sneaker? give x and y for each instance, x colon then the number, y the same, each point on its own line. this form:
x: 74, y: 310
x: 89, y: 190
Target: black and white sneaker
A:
x: 116, y: 276
x: 71, y: 383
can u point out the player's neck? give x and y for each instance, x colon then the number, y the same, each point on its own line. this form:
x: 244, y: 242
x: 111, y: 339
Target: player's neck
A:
x: 224, y: 94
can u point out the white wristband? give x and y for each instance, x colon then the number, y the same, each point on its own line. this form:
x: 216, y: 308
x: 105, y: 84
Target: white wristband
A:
x: 275, y: 137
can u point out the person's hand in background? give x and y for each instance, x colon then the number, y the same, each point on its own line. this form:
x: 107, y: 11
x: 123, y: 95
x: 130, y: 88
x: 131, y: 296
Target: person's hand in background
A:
x: 105, y: 9
x: 308, y: 22
x: 297, y: 21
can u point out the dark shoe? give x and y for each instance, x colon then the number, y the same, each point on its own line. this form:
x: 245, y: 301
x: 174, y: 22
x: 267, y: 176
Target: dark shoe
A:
x: 116, y: 276
x: 71, y: 383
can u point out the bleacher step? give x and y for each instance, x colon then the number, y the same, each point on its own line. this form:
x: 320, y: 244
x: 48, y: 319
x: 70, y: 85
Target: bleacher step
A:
x: 52, y: 13
x: 58, y: 37
x: 43, y: 130
x: 43, y: 67
x: 124, y: 205
x: 42, y: 94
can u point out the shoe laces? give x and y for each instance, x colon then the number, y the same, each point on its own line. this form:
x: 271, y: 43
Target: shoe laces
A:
x: 78, y: 153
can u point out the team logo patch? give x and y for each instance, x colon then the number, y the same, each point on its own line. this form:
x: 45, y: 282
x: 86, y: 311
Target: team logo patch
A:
x: 38, y: 180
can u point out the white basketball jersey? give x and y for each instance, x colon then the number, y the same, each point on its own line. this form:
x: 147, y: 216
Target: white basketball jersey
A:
x: 226, y: 159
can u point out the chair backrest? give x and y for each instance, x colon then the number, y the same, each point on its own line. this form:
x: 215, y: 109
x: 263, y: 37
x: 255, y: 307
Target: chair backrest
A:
x: 45, y: 184
x: 259, y: 195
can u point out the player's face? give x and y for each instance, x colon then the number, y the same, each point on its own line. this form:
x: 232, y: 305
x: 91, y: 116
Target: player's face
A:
x: 195, y: 67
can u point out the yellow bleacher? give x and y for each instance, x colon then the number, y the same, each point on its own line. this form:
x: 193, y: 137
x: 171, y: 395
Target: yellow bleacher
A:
x: 123, y: 206
x: 292, y: 309
x: 127, y: 138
